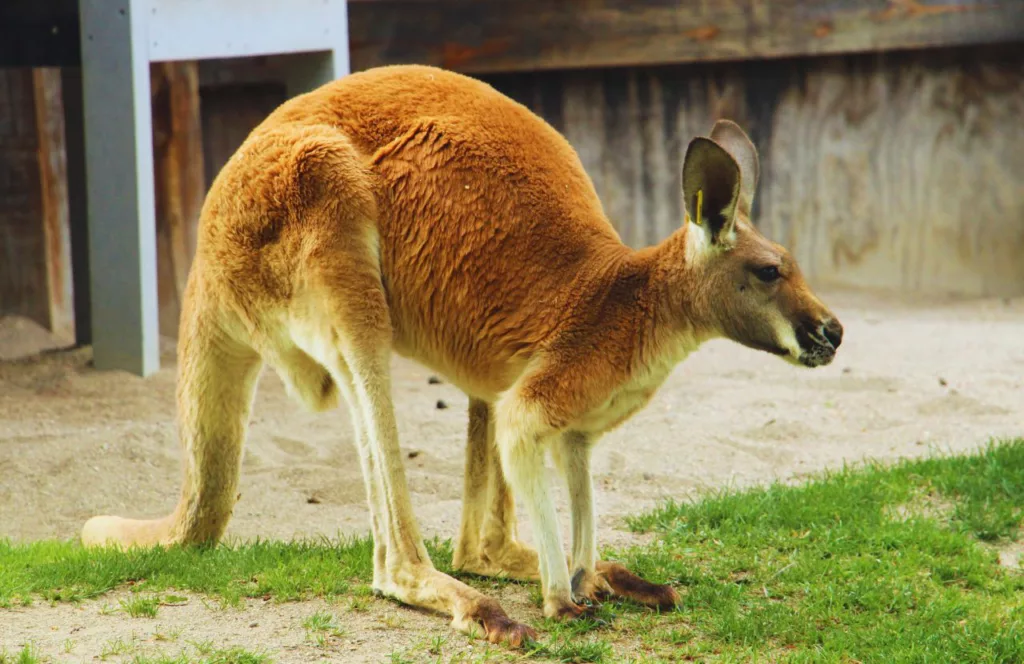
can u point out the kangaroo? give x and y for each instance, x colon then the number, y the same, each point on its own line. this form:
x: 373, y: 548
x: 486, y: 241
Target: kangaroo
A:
x: 414, y: 210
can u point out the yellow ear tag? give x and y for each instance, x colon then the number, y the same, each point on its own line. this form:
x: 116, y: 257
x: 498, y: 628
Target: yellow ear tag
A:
x: 700, y: 204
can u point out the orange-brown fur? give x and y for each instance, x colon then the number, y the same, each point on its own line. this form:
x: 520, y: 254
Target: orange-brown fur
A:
x: 414, y: 210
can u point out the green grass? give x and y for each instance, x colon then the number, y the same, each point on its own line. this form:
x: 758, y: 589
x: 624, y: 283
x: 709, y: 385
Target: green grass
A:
x: 206, y: 656
x: 64, y: 571
x: 140, y: 607
x: 322, y: 621
x: 139, y: 651
x: 27, y: 655
x: 868, y: 564
x: 321, y: 626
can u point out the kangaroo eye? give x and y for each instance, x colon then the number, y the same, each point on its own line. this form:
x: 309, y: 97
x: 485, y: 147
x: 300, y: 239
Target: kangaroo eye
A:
x: 767, y: 274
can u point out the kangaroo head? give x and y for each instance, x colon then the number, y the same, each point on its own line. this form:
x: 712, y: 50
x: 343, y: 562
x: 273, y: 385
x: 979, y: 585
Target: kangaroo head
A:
x: 751, y: 288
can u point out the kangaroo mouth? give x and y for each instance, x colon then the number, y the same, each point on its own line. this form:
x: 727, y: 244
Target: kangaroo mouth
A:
x: 816, y: 354
x: 767, y: 348
x: 815, y: 349
x: 819, y: 356
x: 811, y: 355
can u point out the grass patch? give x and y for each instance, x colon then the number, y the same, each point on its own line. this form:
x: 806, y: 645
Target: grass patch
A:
x: 65, y: 571
x: 140, y: 607
x: 27, y: 655
x: 206, y: 655
x: 867, y: 563
x: 321, y: 627
x: 830, y: 571
x: 118, y: 647
x: 324, y: 622
x: 569, y: 649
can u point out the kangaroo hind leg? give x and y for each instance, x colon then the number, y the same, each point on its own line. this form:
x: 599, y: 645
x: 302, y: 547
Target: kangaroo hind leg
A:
x: 488, y: 542
x: 354, y: 342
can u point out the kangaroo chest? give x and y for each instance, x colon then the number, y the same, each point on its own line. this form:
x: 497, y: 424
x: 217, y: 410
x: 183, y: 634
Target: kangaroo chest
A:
x: 623, y: 402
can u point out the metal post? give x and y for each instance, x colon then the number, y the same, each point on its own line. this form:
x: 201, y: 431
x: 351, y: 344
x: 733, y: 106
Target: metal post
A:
x: 119, y: 180
x: 119, y: 38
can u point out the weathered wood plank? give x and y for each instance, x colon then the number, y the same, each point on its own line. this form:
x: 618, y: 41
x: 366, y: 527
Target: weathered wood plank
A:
x: 505, y: 35
x: 53, y: 190
x: 908, y: 176
x: 23, y: 277
x: 180, y: 185
x: 901, y: 172
x: 518, y: 35
x: 229, y: 113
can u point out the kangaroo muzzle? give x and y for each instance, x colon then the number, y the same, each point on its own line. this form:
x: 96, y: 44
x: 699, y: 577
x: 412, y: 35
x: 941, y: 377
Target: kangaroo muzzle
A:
x: 819, y: 341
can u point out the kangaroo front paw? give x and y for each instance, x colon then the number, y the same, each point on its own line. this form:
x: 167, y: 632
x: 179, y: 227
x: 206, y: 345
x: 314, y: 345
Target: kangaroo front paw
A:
x: 564, y: 609
x: 589, y: 588
x: 623, y: 583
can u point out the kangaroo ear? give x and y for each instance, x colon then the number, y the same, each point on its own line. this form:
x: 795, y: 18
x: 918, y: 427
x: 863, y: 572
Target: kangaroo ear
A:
x: 711, y: 176
x: 736, y: 142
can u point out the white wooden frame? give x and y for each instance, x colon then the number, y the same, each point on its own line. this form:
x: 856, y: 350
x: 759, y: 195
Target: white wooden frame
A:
x: 119, y: 40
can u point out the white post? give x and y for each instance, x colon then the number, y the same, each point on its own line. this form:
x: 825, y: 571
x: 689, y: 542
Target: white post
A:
x: 309, y: 71
x: 119, y: 39
x: 119, y: 185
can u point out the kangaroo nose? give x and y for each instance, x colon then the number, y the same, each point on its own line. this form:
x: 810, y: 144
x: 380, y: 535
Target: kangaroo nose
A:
x: 833, y: 331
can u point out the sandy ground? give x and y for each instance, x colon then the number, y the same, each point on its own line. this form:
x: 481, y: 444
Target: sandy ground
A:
x: 911, y: 377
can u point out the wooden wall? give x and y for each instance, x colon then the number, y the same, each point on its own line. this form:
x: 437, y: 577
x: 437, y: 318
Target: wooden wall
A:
x: 196, y: 128
x: 194, y: 133
x: 902, y: 171
x: 230, y: 112
x: 35, y: 267
x: 533, y: 35
x: 22, y: 261
x: 179, y: 182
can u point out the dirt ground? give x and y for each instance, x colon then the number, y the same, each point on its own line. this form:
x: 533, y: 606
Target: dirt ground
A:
x: 911, y: 377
